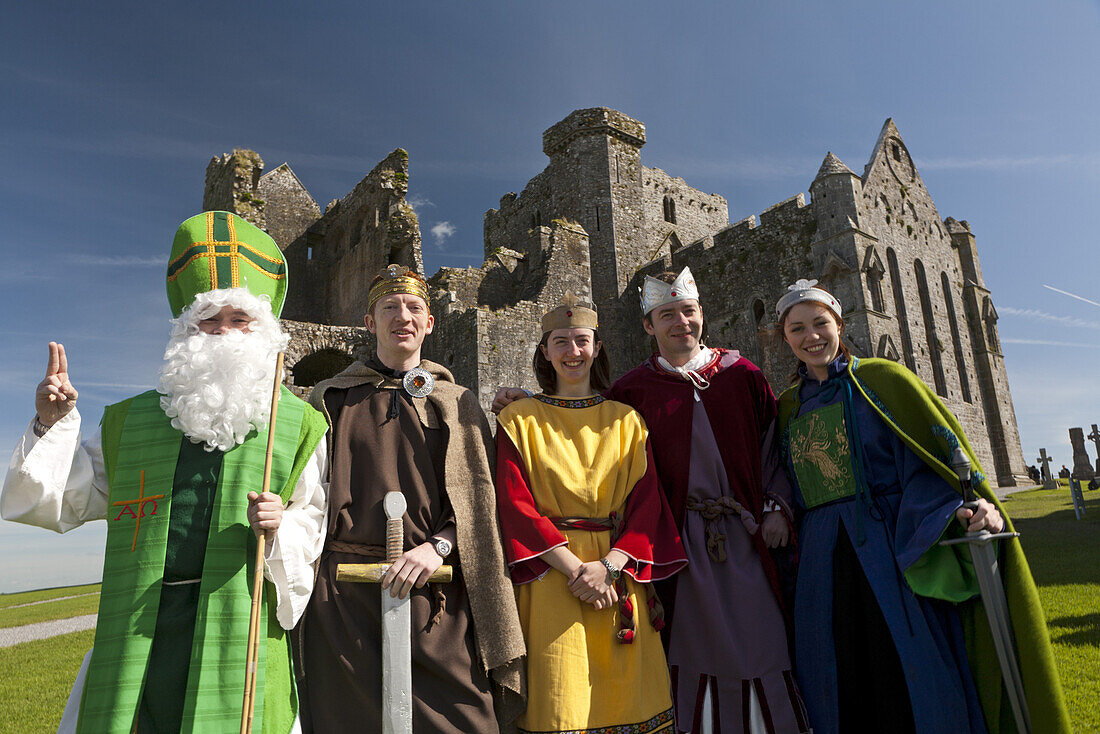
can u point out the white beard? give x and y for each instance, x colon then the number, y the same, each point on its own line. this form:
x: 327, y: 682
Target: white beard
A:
x: 217, y: 388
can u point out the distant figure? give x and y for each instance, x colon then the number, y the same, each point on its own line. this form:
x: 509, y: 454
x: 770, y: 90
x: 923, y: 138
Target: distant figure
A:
x: 1063, y: 473
x: 1034, y: 475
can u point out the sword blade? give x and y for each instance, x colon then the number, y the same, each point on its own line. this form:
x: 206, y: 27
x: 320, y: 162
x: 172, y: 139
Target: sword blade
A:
x: 984, y: 556
x: 396, y: 665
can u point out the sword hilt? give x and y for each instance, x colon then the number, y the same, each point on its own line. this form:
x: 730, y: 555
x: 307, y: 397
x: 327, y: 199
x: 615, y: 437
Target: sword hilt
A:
x: 960, y: 462
x: 395, y: 506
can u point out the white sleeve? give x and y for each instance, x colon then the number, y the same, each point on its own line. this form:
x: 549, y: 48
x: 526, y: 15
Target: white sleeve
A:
x: 57, y: 481
x: 292, y: 560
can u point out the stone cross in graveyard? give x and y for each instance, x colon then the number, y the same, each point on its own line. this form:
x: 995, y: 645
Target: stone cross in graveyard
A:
x: 1082, y: 467
x: 1044, y: 469
x: 1095, y: 438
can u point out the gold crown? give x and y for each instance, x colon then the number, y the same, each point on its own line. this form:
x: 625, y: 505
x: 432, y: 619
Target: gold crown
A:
x: 396, y: 279
x: 571, y: 314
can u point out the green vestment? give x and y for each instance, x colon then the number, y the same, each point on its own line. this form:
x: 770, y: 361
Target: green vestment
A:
x: 142, y: 456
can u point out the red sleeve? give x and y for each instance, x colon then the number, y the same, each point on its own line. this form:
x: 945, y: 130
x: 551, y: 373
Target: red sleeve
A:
x: 527, y: 533
x: 649, y: 535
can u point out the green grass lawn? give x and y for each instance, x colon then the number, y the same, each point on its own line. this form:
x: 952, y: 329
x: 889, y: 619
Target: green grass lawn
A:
x: 48, y: 604
x: 35, y: 677
x: 24, y: 597
x: 1063, y: 554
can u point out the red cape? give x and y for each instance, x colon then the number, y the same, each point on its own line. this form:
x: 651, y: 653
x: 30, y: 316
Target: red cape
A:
x: 741, y: 408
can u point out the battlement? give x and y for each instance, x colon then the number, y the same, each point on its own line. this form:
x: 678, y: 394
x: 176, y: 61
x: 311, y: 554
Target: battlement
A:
x: 593, y: 121
x: 785, y: 208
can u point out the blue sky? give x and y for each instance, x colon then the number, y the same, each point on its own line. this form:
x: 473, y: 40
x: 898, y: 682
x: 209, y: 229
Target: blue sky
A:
x: 112, y: 112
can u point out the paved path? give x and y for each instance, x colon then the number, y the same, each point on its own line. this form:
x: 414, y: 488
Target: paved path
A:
x: 42, y: 630
x: 1003, y: 492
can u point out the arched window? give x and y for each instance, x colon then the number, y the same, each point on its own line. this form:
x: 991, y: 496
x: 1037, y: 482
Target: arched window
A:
x: 956, y: 342
x: 758, y: 312
x: 899, y: 308
x: 670, y: 210
x: 935, y: 348
x: 872, y: 266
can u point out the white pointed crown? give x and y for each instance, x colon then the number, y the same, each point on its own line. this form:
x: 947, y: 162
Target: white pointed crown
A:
x: 806, y: 290
x: 656, y: 293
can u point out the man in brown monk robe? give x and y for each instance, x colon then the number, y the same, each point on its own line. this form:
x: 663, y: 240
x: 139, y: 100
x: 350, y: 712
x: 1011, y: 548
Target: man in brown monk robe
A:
x: 400, y: 423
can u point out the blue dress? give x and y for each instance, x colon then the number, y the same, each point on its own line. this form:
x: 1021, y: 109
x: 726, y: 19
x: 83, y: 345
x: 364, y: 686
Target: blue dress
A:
x: 904, y: 508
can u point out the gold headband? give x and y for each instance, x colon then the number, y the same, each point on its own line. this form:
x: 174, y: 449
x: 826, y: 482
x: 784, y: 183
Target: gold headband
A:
x: 396, y: 279
x: 569, y: 315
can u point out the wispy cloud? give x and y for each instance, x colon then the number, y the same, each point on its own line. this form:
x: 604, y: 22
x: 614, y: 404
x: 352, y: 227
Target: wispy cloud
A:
x: 1071, y: 295
x: 441, y: 231
x: 1006, y: 163
x: 419, y: 201
x: 1034, y: 314
x: 1047, y: 343
x: 116, y: 261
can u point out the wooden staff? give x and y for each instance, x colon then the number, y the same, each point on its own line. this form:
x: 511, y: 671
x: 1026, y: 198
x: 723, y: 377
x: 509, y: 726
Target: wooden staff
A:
x: 258, y: 572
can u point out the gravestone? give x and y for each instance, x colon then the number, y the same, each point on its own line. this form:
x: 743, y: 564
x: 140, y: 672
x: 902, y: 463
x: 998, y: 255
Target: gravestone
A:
x: 1095, y: 438
x: 1049, y: 482
x: 1082, y: 467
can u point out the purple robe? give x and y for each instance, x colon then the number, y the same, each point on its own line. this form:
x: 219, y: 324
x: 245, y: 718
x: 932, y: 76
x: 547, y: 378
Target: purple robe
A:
x: 727, y: 631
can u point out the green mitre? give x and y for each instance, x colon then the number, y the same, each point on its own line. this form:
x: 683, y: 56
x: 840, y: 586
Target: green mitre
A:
x: 216, y: 250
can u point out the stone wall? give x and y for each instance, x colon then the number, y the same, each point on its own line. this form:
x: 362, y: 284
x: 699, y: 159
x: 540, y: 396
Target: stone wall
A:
x: 694, y: 214
x: 289, y: 208
x: 336, y: 258
x: 232, y: 185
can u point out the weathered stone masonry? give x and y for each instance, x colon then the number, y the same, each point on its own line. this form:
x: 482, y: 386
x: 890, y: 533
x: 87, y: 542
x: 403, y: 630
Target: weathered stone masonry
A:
x: 595, y: 220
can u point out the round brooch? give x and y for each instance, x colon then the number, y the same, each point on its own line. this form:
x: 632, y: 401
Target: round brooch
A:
x: 418, y: 382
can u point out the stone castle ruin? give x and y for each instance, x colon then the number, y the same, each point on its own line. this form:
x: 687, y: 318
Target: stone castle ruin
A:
x: 596, y: 220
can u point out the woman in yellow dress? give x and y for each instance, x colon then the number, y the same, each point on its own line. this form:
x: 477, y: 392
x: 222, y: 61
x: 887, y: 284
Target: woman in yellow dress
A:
x: 586, y: 531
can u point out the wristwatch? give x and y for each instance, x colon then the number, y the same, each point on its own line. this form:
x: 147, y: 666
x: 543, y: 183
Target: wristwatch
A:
x: 442, y: 546
x: 611, y: 570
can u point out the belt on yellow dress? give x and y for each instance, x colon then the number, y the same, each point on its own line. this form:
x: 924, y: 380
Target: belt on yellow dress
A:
x: 614, y: 523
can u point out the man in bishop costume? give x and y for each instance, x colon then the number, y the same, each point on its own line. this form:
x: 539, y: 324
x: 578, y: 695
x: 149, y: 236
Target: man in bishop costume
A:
x: 401, y: 424
x: 711, y: 417
x: 176, y: 472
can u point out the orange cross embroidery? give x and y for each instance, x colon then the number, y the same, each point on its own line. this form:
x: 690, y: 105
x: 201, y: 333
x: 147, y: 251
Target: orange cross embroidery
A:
x: 140, y: 502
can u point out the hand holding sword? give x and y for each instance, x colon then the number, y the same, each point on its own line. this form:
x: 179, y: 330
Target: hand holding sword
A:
x: 984, y: 556
x: 400, y: 572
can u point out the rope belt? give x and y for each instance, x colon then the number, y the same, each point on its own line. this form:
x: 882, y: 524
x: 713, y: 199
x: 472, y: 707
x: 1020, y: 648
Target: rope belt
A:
x: 378, y: 553
x: 614, y: 524
x: 711, y: 510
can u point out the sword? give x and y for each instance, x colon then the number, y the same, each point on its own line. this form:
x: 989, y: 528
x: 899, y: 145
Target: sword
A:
x: 396, y: 621
x: 984, y: 555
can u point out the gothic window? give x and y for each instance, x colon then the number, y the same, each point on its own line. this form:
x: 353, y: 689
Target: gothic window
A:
x: 935, y: 347
x: 872, y: 266
x: 538, y: 218
x: 758, y: 312
x: 896, y: 150
x: 670, y: 210
x: 956, y: 342
x: 989, y: 316
x: 899, y: 307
